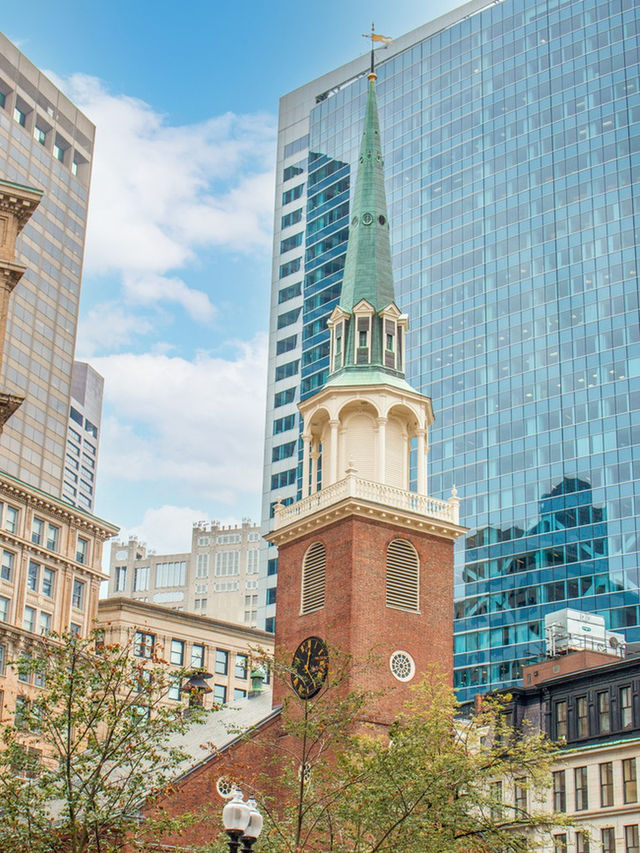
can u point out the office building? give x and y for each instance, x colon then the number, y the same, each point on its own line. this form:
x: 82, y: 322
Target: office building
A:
x: 51, y: 555
x: 187, y: 640
x: 217, y: 578
x: 83, y: 436
x: 511, y: 133
x: 45, y: 143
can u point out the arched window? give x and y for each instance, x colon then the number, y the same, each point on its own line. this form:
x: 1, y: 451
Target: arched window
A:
x: 402, y: 576
x: 313, y: 578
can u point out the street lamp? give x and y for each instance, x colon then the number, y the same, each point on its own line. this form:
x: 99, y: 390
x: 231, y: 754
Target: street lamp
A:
x: 196, y: 686
x: 242, y: 822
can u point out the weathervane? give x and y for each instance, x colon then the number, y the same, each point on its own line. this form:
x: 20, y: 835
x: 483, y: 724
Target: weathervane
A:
x: 374, y: 36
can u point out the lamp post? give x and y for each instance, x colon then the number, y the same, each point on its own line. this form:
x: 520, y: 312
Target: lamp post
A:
x: 196, y: 686
x: 242, y: 823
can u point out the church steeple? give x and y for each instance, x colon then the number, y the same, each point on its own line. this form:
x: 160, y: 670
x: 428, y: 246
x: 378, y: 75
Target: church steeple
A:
x: 367, y: 417
x: 367, y: 328
x: 367, y: 271
x: 365, y: 557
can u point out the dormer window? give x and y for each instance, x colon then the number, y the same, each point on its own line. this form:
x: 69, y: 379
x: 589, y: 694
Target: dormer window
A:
x: 390, y: 331
x: 363, y: 349
x: 338, y: 346
x: 337, y: 324
x: 394, y: 325
x: 363, y: 317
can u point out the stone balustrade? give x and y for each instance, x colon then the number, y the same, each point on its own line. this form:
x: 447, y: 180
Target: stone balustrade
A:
x: 357, y: 488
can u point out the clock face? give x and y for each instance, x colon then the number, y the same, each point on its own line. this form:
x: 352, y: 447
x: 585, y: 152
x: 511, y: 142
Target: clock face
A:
x: 309, y: 667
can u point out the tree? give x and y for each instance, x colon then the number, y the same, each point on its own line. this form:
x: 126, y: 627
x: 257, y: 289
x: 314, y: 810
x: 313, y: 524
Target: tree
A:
x: 88, y: 749
x: 433, y: 781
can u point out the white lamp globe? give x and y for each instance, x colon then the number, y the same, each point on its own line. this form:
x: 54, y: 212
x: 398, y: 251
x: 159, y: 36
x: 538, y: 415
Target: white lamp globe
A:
x: 236, y: 814
x: 254, y: 827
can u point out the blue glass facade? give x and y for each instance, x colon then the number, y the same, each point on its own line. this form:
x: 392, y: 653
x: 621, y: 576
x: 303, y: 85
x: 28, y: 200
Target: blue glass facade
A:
x: 512, y: 157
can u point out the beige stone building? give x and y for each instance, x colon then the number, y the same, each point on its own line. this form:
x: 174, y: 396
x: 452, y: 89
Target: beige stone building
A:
x: 46, y: 143
x: 187, y: 640
x: 50, y: 552
x: 598, y: 788
x: 50, y: 574
x: 217, y: 578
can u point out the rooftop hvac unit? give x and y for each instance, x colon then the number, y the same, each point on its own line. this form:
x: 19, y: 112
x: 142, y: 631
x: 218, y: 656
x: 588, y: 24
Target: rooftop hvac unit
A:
x: 573, y: 630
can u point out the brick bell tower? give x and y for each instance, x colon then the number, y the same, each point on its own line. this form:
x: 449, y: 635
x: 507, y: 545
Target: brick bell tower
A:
x: 366, y: 565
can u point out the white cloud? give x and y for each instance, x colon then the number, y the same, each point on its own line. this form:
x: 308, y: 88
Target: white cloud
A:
x: 165, y: 529
x: 147, y: 289
x: 108, y: 326
x: 198, y: 425
x: 159, y: 193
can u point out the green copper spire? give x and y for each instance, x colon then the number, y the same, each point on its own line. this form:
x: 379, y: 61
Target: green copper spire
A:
x: 367, y: 271
x: 367, y: 329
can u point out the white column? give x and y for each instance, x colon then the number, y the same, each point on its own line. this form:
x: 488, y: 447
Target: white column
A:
x: 426, y: 460
x: 314, y: 467
x: 406, y: 451
x: 332, y: 473
x: 306, y: 440
x: 422, y: 463
x: 381, y: 473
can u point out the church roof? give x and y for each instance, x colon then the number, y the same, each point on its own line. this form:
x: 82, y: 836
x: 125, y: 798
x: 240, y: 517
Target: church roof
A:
x: 220, y: 730
x: 368, y: 375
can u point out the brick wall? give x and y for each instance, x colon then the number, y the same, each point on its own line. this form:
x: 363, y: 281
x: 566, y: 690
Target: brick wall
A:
x: 355, y: 618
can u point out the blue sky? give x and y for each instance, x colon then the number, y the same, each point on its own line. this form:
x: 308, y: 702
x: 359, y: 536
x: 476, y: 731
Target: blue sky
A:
x: 177, y: 266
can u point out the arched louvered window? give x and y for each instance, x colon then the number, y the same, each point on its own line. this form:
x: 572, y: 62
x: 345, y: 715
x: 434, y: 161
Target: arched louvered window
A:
x: 313, y: 578
x: 402, y: 576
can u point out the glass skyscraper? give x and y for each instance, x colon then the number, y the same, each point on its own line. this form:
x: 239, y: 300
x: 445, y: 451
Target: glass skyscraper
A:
x: 511, y: 136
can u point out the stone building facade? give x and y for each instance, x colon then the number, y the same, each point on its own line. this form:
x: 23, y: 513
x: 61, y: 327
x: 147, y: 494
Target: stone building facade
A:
x: 50, y: 551
x: 50, y: 575
x: 46, y: 143
x: 187, y: 640
x: 217, y: 578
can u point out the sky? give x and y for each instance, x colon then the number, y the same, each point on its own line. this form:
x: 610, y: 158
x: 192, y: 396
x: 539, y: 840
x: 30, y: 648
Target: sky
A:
x: 176, y: 280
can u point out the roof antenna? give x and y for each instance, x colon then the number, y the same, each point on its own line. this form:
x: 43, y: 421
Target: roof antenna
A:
x: 374, y: 36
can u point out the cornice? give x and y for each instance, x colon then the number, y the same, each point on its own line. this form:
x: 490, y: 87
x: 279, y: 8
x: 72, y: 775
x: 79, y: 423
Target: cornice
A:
x: 33, y: 497
x: 364, y: 509
x: 604, y: 746
x: 50, y: 558
x: 19, y: 201
x: 9, y: 403
x: 362, y: 392
x: 10, y: 274
x: 121, y: 604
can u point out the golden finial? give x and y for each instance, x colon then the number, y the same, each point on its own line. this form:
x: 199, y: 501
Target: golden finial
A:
x: 374, y: 36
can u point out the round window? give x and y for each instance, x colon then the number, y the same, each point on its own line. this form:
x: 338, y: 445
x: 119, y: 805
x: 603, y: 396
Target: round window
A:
x: 354, y: 221
x: 402, y: 666
x: 367, y: 219
x: 225, y: 786
x: 381, y: 220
